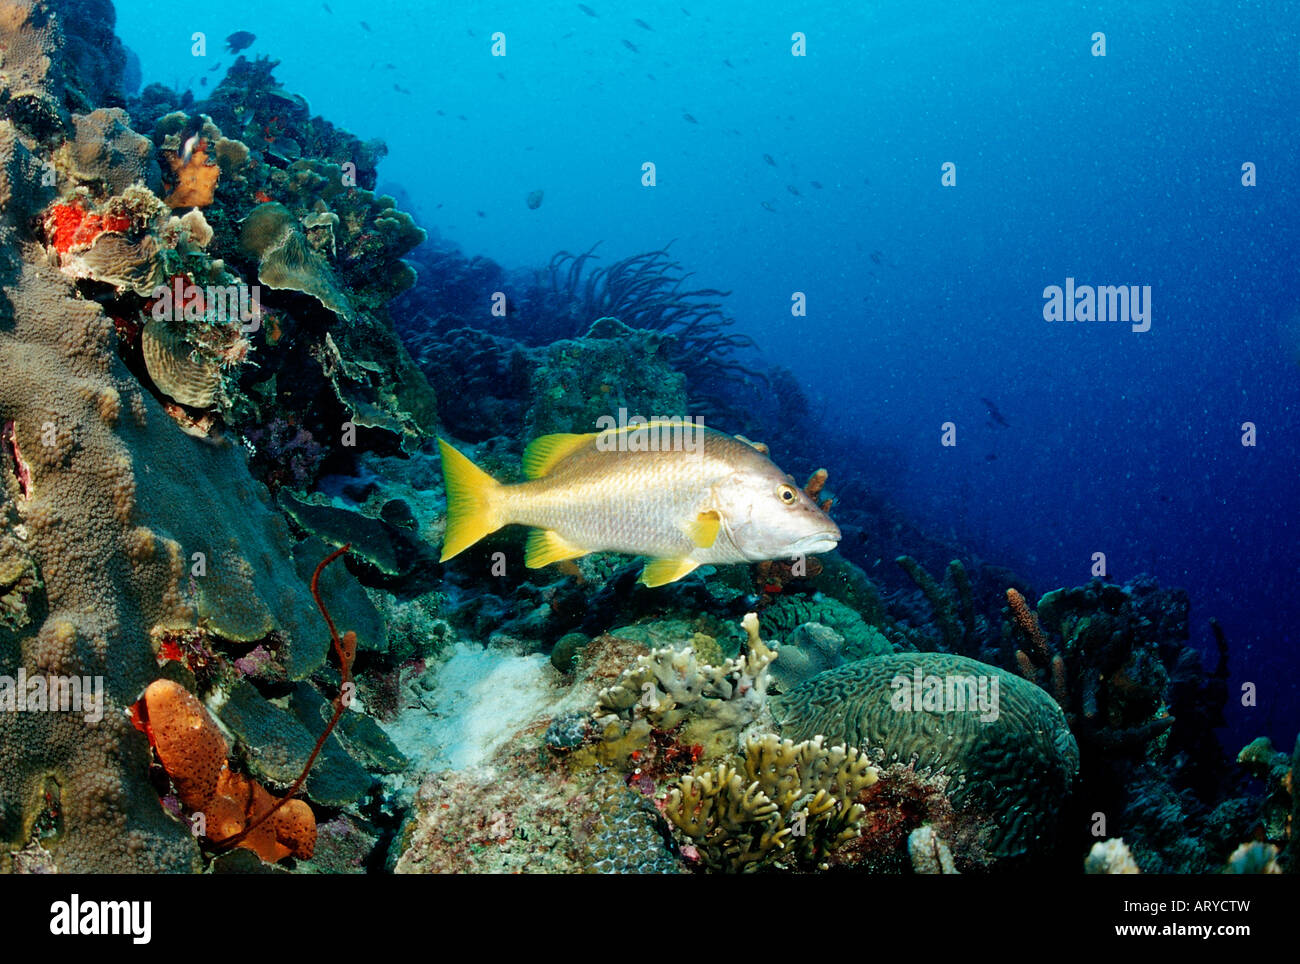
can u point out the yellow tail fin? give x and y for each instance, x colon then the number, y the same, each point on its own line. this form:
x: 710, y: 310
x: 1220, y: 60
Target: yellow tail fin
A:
x: 471, y: 502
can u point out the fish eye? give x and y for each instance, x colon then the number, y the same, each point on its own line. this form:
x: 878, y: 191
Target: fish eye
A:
x: 787, y: 493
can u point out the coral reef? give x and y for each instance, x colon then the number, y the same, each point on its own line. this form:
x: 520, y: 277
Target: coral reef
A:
x: 206, y: 299
x: 121, y: 532
x: 1279, y: 812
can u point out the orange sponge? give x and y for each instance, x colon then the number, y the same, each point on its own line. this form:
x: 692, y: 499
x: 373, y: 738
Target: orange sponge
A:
x: 191, y: 748
x: 194, y: 754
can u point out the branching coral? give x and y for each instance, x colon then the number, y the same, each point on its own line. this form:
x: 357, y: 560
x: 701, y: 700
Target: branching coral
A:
x: 1039, y: 653
x: 952, y: 604
x: 794, y: 800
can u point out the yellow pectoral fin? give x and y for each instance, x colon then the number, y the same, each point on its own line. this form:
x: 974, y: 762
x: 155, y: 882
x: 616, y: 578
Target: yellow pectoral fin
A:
x: 546, y: 452
x: 660, y: 572
x: 703, y: 529
x: 471, y: 505
x: 545, y: 547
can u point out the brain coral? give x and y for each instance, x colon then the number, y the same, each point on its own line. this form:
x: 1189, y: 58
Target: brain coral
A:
x: 1014, y: 770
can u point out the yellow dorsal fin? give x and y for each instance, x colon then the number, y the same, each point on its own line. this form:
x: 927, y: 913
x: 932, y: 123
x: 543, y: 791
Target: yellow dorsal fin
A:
x: 547, y: 451
x: 660, y: 572
x: 754, y: 445
x: 703, y: 530
x: 471, y: 502
x: 546, y: 546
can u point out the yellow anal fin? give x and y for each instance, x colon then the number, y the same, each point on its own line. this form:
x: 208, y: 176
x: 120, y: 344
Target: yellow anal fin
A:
x: 546, y: 546
x: 703, y: 529
x: 660, y: 572
x: 471, y: 502
x: 545, y: 453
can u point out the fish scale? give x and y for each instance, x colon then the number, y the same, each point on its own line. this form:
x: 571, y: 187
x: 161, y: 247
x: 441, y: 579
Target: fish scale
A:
x: 631, y: 502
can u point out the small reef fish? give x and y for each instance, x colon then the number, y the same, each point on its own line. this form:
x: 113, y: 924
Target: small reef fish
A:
x: 716, y: 500
x: 994, y: 414
x: 193, y: 134
x: 642, y: 24
x: 400, y: 89
x: 793, y: 190
x: 631, y: 46
x: 534, y: 199
x: 327, y: 8
x: 587, y: 10
x: 816, y: 184
x: 768, y: 158
x: 689, y: 119
x: 365, y: 26
x: 240, y: 40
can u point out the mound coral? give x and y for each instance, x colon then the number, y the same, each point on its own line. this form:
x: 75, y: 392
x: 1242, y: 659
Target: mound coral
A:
x: 108, y: 156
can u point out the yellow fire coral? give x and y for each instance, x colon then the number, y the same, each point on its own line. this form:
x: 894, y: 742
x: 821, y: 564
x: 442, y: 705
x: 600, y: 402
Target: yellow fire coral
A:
x: 795, y: 800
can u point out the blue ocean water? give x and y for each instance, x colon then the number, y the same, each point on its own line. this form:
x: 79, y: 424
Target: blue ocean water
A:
x: 922, y: 299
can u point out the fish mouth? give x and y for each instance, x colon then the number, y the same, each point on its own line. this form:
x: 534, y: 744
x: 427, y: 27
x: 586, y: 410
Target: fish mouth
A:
x: 818, y: 542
